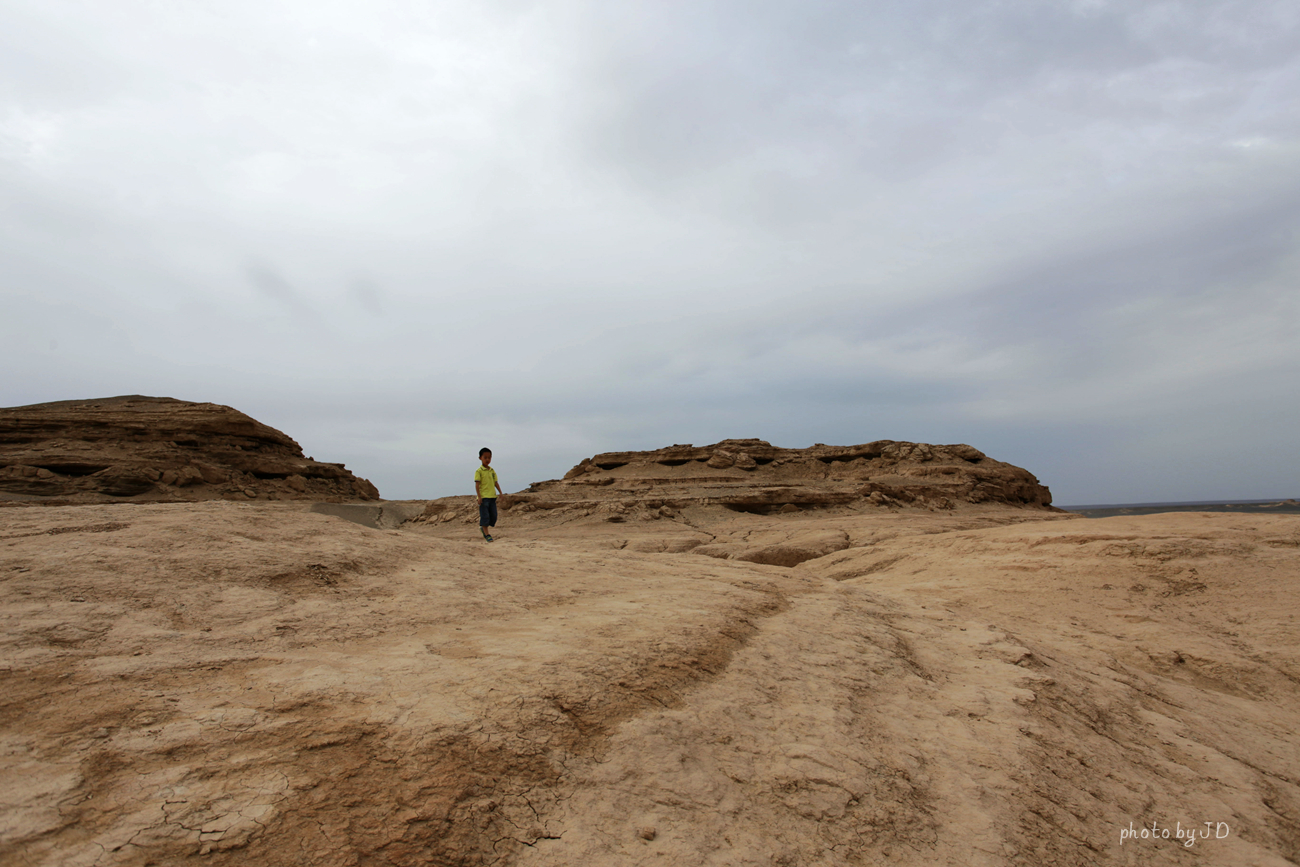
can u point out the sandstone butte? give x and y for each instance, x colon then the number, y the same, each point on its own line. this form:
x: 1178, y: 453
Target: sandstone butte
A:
x: 158, y: 449
x: 883, y: 654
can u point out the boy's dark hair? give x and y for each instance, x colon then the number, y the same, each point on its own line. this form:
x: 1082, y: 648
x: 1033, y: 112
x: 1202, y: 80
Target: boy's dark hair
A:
x: 484, y: 451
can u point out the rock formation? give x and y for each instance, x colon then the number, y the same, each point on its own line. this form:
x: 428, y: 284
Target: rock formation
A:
x: 750, y: 475
x: 254, y: 685
x: 157, y: 449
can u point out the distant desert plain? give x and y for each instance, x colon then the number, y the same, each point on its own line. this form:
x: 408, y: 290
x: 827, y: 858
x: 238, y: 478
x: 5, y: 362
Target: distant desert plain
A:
x: 735, y: 654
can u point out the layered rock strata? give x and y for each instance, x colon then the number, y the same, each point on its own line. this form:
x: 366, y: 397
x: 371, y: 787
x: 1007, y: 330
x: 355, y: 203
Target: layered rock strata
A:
x: 140, y: 448
x: 751, y: 475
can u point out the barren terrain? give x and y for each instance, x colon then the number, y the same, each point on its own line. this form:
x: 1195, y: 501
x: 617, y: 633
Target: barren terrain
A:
x: 255, y: 684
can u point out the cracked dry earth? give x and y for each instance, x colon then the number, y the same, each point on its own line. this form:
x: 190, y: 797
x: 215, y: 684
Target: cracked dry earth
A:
x: 248, y: 684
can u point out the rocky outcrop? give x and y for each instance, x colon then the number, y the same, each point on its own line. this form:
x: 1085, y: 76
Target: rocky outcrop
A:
x: 253, y: 685
x: 751, y: 475
x: 158, y: 449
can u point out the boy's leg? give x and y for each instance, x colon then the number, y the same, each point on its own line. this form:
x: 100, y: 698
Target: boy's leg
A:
x: 483, y: 517
x: 492, y: 514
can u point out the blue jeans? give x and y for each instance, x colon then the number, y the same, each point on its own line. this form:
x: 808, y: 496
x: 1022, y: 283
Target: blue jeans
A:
x: 487, y: 512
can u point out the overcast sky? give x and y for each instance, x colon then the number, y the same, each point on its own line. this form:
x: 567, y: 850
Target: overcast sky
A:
x: 1066, y: 233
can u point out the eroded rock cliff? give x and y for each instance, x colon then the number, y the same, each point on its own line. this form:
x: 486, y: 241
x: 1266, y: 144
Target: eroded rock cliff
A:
x: 157, y: 449
x: 750, y: 475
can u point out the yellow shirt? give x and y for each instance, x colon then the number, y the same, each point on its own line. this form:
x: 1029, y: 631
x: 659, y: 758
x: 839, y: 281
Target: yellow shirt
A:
x: 485, y: 479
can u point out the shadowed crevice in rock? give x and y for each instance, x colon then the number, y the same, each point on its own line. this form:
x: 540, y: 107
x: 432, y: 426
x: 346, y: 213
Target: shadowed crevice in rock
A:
x: 379, y: 516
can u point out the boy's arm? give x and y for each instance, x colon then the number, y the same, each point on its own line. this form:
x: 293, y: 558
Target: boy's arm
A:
x: 500, y: 490
x: 477, y: 493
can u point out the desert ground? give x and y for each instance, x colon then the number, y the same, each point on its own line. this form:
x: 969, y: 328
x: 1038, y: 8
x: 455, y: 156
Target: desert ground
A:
x: 255, y: 684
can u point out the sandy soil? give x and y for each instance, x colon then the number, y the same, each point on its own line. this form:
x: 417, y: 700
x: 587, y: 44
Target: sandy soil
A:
x: 254, y: 684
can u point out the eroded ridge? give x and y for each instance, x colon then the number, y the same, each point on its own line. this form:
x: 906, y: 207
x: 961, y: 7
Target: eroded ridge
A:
x: 754, y: 477
x: 157, y: 449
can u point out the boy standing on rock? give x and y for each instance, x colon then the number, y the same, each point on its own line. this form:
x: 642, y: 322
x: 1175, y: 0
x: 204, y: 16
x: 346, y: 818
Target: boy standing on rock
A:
x: 486, y: 487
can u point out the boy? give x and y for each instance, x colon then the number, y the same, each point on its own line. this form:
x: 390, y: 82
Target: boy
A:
x: 486, y: 486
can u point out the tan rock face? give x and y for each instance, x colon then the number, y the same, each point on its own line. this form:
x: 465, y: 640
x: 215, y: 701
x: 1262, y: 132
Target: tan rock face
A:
x: 249, y: 684
x: 157, y: 449
x: 754, y: 476
x: 639, y: 496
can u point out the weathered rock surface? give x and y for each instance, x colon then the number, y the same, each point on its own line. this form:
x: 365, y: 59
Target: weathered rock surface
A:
x: 255, y: 685
x: 157, y: 449
x: 751, y: 475
x: 694, y: 487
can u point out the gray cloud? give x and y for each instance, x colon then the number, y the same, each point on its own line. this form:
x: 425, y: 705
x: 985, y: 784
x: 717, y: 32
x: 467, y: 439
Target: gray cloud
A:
x: 268, y: 281
x: 1062, y: 232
